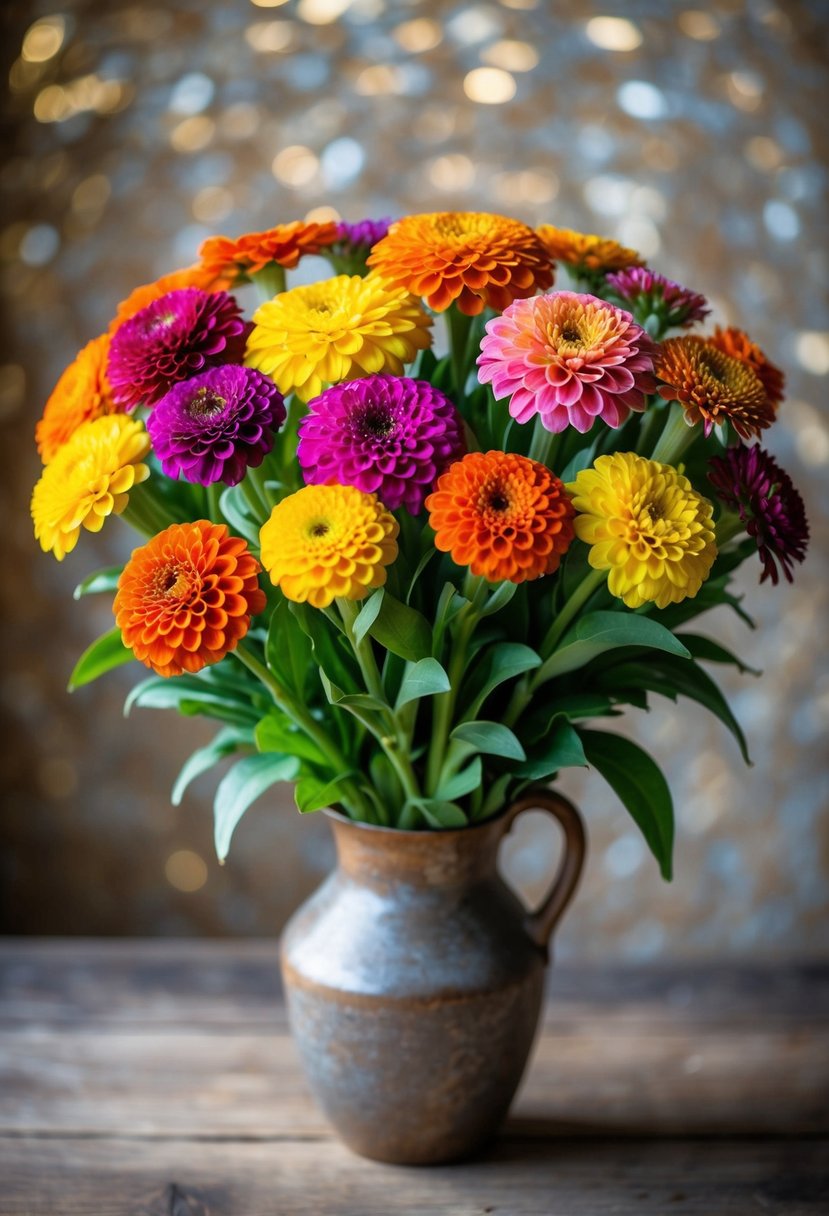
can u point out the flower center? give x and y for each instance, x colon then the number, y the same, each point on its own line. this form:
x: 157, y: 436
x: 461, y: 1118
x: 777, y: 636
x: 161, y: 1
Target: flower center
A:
x: 163, y: 321
x: 319, y: 528
x: 172, y: 581
x: 375, y: 421
x: 570, y: 334
x: 498, y: 502
x: 206, y: 404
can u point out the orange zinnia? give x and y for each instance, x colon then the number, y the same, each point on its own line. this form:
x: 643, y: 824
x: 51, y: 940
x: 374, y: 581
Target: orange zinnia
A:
x: 585, y: 251
x: 140, y: 297
x: 740, y: 346
x: 503, y: 515
x: 713, y: 387
x: 285, y: 244
x: 186, y: 597
x: 476, y: 259
x: 82, y: 394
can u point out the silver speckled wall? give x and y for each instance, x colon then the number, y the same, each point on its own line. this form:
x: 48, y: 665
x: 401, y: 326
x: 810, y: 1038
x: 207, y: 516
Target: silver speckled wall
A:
x: 696, y: 135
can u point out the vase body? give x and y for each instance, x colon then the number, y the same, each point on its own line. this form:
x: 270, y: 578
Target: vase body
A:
x: 414, y: 979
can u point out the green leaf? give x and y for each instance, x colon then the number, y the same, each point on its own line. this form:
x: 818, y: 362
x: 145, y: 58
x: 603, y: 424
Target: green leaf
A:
x: 312, y: 794
x: 331, y: 653
x: 711, y: 652
x: 277, y: 733
x: 464, y: 782
x: 190, y: 694
x: 562, y: 748
x: 102, y: 656
x: 402, y: 630
x: 234, y: 506
x: 598, y: 632
x: 581, y: 460
x: 101, y: 580
x: 225, y: 743
x: 640, y: 785
x: 504, y: 661
x: 496, y: 795
x: 675, y: 677
x: 499, y: 599
x: 368, y: 614
x: 287, y: 648
x: 423, y: 679
x: 493, y: 738
x: 242, y: 786
x: 440, y: 814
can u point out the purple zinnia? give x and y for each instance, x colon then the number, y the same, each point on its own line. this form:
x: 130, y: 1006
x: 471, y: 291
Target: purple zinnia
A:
x: 749, y: 481
x: 386, y: 435
x: 217, y: 425
x: 364, y: 233
x: 174, y: 337
x: 652, y: 295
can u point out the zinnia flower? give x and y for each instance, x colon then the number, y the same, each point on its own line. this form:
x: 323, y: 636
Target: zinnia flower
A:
x: 647, y: 525
x: 586, y: 252
x: 89, y: 479
x: 285, y: 245
x: 217, y: 425
x: 568, y: 358
x: 750, y: 481
x: 651, y: 294
x: 173, y: 338
x: 364, y: 234
x: 476, y: 259
x: 325, y: 542
x: 186, y: 597
x: 385, y: 435
x: 504, y: 516
x: 338, y: 329
x: 140, y: 297
x: 738, y: 344
x: 81, y: 394
x: 713, y: 387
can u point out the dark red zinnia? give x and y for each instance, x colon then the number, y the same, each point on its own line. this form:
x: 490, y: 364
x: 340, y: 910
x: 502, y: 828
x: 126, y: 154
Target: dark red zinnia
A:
x: 750, y: 481
x: 173, y: 338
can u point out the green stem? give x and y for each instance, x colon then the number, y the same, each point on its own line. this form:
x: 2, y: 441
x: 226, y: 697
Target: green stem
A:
x: 444, y: 704
x: 577, y: 600
x: 252, y: 498
x: 727, y: 527
x: 459, y: 325
x: 541, y: 442
x: 395, y: 747
x: 214, y: 493
x: 303, y: 719
x: 257, y: 479
x: 676, y: 436
x: 652, y: 418
x: 270, y: 281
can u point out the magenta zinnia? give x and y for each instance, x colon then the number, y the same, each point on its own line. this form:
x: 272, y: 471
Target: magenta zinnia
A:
x: 173, y: 338
x: 569, y: 358
x: 386, y: 435
x: 750, y: 481
x: 650, y: 294
x: 217, y: 425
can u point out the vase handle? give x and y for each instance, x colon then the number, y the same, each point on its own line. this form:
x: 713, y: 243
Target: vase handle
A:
x: 541, y: 923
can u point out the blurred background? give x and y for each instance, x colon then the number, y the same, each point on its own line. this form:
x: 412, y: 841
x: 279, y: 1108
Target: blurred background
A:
x: 134, y: 130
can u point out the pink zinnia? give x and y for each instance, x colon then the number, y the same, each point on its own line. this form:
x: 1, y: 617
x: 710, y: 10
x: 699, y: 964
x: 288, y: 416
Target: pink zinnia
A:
x: 569, y: 358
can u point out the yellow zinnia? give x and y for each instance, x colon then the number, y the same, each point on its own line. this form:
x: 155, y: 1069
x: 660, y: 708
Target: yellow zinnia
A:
x: 647, y: 525
x: 585, y: 251
x: 89, y: 479
x: 339, y: 329
x: 325, y: 542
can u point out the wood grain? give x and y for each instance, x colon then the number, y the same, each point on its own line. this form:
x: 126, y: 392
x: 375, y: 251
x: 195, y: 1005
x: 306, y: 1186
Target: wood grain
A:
x: 150, y: 1078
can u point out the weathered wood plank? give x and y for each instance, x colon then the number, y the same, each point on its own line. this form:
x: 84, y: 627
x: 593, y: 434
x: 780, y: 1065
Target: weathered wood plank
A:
x: 200, y: 984
x: 520, y: 1177
x: 742, y: 1082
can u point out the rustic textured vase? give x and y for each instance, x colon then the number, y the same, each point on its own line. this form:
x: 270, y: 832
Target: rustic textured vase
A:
x: 414, y: 979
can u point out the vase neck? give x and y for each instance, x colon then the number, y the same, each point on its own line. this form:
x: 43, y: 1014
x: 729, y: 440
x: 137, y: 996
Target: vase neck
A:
x: 376, y: 856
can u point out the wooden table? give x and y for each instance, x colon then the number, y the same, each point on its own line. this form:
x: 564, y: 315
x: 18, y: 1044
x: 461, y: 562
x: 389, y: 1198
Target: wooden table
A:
x: 159, y: 1077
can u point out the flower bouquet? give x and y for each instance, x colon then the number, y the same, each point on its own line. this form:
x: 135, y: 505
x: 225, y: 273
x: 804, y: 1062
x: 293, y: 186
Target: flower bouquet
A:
x: 416, y: 585
x: 412, y: 584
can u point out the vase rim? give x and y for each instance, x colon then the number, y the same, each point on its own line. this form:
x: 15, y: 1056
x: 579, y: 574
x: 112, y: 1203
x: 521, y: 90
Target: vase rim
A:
x: 421, y: 833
